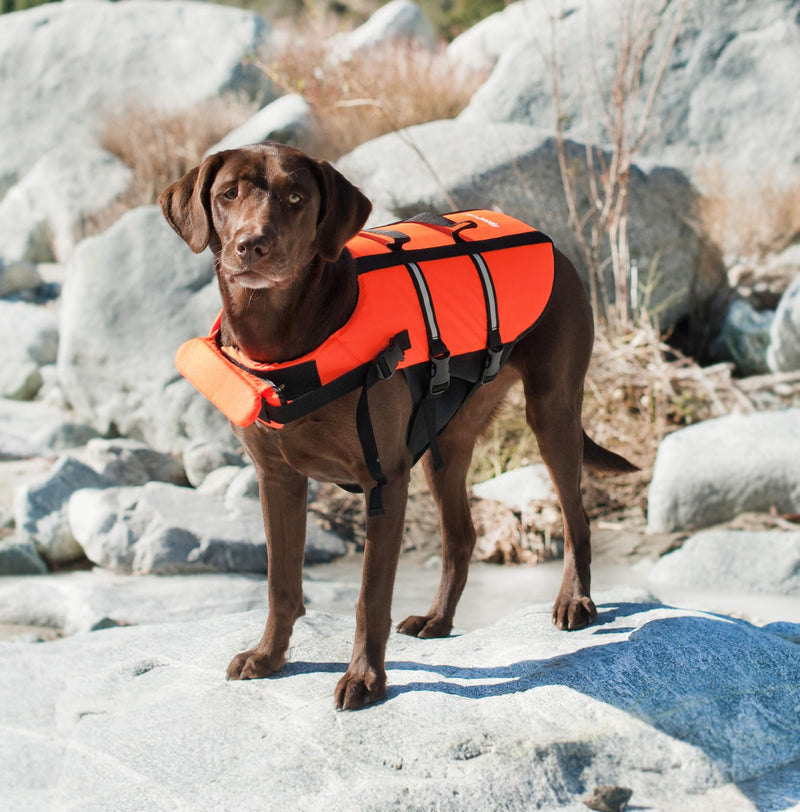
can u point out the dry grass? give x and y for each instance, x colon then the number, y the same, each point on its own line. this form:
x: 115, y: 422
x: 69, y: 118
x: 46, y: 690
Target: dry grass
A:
x: 370, y: 94
x: 161, y: 147
x: 749, y: 218
x: 638, y: 390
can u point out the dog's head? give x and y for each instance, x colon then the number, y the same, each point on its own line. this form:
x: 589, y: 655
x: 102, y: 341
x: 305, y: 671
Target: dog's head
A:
x: 267, y: 211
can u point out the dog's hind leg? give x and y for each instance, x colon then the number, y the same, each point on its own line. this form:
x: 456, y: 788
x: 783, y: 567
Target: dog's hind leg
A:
x: 557, y: 426
x: 553, y: 360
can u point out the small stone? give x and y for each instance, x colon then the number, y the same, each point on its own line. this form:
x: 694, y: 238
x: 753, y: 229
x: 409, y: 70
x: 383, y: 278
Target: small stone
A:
x: 107, y: 623
x: 609, y: 799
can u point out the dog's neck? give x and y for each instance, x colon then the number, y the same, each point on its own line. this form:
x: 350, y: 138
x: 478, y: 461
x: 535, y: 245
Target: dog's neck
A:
x: 274, y: 325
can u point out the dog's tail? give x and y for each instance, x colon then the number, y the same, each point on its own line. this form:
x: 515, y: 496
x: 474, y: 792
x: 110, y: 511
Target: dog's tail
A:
x: 603, y: 461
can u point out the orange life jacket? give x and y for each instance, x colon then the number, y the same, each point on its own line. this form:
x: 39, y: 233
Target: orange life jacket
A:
x: 444, y: 298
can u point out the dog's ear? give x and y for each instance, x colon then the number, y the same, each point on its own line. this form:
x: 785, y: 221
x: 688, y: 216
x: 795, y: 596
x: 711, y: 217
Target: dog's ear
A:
x: 186, y: 204
x: 343, y: 211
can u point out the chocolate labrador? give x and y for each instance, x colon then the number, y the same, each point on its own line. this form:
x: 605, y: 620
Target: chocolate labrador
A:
x: 277, y: 222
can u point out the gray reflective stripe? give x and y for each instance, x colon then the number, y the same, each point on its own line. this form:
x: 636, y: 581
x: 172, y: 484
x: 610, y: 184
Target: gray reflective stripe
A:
x: 425, y: 299
x: 488, y: 287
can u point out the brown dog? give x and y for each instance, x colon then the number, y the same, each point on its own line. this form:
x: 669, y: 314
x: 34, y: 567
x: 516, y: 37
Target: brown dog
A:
x: 277, y: 222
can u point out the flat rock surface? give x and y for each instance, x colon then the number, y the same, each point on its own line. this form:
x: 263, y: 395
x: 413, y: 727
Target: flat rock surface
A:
x: 673, y: 703
x: 763, y: 561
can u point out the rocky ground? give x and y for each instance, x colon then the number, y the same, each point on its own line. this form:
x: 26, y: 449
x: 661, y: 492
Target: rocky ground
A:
x: 131, y: 549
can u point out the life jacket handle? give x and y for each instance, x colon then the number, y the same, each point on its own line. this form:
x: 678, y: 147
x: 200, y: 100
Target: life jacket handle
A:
x: 437, y: 221
x: 442, y: 223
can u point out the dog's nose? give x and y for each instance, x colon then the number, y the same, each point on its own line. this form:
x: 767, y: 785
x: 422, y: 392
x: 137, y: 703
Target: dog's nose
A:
x: 252, y: 247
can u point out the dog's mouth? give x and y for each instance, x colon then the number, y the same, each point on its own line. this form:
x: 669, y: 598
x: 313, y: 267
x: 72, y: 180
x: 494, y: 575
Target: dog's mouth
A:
x: 258, y: 275
x: 256, y: 280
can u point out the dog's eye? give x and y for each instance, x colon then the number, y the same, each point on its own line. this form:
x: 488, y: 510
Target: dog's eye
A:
x: 294, y: 199
x: 230, y: 194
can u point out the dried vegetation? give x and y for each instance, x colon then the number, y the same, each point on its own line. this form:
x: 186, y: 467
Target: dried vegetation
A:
x: 370, y: 93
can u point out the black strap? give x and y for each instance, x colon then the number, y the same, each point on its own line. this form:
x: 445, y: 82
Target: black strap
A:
x: 439, y: 360
x: 429, y: 416
x: 383, y: 367
x: 324, y: 394
x: 458, y: 248
x: 313, y: 400
x: 369, y: 447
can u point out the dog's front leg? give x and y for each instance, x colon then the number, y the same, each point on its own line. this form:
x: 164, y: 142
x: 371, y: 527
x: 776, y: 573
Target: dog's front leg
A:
x: 284, y: 503
x: 365, y: 680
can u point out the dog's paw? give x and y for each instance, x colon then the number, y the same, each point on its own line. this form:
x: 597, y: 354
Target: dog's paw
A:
x: 574, y: 613
x: 425, y: 626
x: 357, y: 689
x: 253, y: 664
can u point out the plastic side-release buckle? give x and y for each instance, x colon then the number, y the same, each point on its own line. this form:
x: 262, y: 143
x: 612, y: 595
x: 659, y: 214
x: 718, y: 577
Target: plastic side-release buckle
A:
x: 491, y: 364
x: 386, y: 363
x: 440, y: 374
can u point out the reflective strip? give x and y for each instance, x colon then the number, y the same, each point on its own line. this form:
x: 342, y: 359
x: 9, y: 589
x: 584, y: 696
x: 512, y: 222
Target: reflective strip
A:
x: 425, y: 299
x: 488, y: 288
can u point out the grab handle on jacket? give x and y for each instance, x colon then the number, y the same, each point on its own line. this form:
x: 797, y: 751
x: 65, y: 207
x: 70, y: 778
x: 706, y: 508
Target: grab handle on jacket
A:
x: 442, y: 223
x: 398, y: 238
x: 437, y: 221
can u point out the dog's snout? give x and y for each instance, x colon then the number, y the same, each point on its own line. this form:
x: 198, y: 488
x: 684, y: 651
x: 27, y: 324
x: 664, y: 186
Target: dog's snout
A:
x: 252, y: 247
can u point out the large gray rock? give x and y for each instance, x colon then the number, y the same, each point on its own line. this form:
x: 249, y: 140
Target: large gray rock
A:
x: 35, y: 344
x: 482, y: 45
x: 165, y: 529
x: 202, y: 457
x: 44, y: 215
x: 86, y: 61
x: 40, y: 506
x: 132, y: 296
x: 287, y: 119
x: 40, y: 509
x: 517, y: 716
x: 710, y: 472
x: 734, y: 61
x: 742, y: 561
x: 34, y: 429
x: 783, y: 354
x: 129, y: 462
x: 519, y: 175
x: 396, y: 22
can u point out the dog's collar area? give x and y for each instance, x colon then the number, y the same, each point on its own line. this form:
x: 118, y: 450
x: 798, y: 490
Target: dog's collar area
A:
x: 445, y: 301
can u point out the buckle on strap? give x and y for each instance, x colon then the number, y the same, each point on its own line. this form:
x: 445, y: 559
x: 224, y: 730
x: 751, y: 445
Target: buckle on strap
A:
x: 491, y: 364
x: 386, y: 363
x: 440, y: 374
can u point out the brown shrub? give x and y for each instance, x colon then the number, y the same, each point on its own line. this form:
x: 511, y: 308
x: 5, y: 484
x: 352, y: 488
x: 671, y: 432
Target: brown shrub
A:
x: 371, y: 93
x: 747, y: 217
x: 161, y: 147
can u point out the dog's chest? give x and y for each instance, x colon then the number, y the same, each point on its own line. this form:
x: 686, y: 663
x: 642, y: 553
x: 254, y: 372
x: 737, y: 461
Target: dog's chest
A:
x: 325, y: 445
